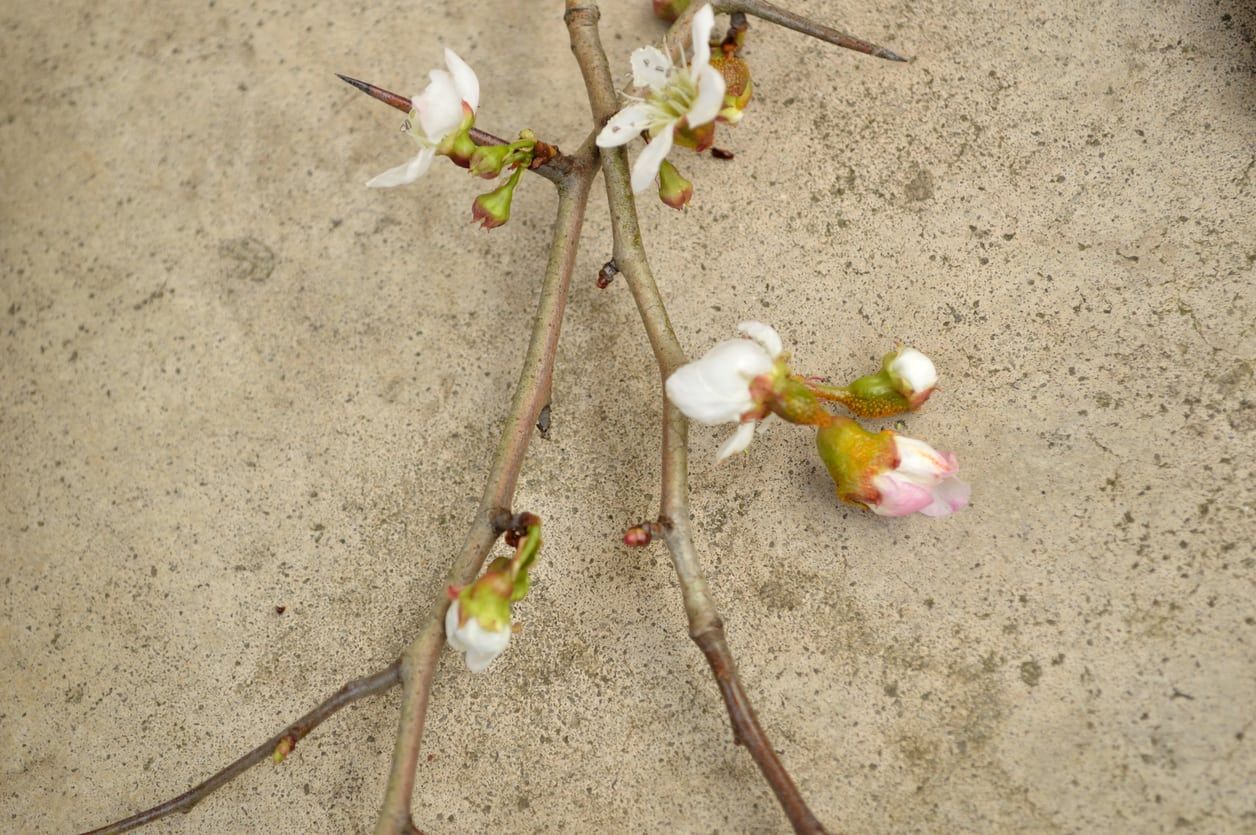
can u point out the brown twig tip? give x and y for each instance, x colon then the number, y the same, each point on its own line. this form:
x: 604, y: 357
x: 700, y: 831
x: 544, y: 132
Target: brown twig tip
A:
x: 882, y: 52
x: 386, y: 96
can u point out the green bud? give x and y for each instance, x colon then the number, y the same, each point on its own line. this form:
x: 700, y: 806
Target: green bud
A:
x: 493, y: 209
x: 674, y: 190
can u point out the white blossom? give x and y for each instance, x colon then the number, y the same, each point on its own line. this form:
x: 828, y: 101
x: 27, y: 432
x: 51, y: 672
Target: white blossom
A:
x: 436, y: 113
x: 692, y: 93
x: 716, y: 388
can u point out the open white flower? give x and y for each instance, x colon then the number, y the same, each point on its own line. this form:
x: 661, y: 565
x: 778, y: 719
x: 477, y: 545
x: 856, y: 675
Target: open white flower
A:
x: 437, y: 112
x: 481, y: 645
x: 692, y: 94
x: 717, y: 388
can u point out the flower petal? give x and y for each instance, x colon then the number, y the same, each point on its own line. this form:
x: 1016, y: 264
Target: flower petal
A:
x: 949, y: 496
x: 439, y: 106
x: 764, y: 334
x: 898, y: 496
x: 710, y: 97
x: 914, y: 369
x: 646, y: 168
x: 650, y: 67
x: 406, y: 173
x: 737, y: 442
x: 465, y: 81
x: 451, y: 628
x: 921, y: 463
x: 703, y: 23
x: 716, y: 388
x: 624, y: 126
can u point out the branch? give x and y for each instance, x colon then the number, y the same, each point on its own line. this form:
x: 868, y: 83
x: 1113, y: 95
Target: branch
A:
x: 531, y: 395
x: 705, y: 627
x: 770, y: 12
x: 288, y: 737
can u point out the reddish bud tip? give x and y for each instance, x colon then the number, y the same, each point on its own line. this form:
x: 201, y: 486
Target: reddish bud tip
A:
x: 638, y: 536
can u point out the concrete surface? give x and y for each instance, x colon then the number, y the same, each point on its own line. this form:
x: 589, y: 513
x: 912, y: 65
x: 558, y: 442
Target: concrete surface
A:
x: 235, y: 380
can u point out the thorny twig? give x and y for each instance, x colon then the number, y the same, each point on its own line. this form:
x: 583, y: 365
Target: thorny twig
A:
x: 573, y: 175
x: 385, y: 679
x: 705, y: 626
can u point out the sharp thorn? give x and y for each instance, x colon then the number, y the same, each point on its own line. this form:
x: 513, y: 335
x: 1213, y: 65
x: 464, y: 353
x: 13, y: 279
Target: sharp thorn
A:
x: 389, y: 98
x: 882, y: 52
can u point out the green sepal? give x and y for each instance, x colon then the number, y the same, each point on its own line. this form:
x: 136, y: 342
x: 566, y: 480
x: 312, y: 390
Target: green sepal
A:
x: 853, y: 455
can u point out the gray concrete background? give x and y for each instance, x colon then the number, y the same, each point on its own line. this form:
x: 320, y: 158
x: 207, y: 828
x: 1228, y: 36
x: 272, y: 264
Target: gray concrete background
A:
x: 233, y: 379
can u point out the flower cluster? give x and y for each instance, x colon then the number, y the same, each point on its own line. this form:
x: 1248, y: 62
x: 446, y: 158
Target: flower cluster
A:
x: 679, y: 106
x: 440, y: 123
x: 744, y: 380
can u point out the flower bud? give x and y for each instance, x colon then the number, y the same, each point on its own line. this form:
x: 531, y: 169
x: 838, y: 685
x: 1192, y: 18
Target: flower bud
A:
x: 638, y: 536
x: 906, y: 380
x: 482, y: 643
x: 493, y: 209
x: 890, y: 474
x: 674, y: 190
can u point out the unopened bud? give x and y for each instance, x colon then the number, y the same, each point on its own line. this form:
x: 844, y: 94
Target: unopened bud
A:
x: 493, y: 209
x: 674, y: 190
x: 638, y: 536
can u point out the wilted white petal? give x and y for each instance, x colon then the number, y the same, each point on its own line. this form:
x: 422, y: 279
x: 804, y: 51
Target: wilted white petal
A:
x: 737, y: 442
x: 624, y: 126
x: 646, y: 168
x: 439, y: 106
x: 703, y: 23
x: 710, y: 97
x: 404, y: 174
x: 764, y: 334
x: 650, y: 67
x: 465, y: 81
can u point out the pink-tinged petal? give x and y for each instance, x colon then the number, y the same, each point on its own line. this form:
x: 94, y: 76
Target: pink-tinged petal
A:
x: 765, y: 335
x: 899, y: 497
x: 465, y: 81
x: 650, y: 67
x: 646, y: 168
x: 737, y: 442
x: 439, y: 106
x: 703, y: 23
x: 710, y: 97
x: 922, y: 463
x: 624, y: 126
x: 404, y: 174
x: 949, y: 496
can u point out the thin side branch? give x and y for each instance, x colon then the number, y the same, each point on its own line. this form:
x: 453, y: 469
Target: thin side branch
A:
x: 531, y: 395
x: 773, y: 13
x: 357, y: 689
x: 705, y: 626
